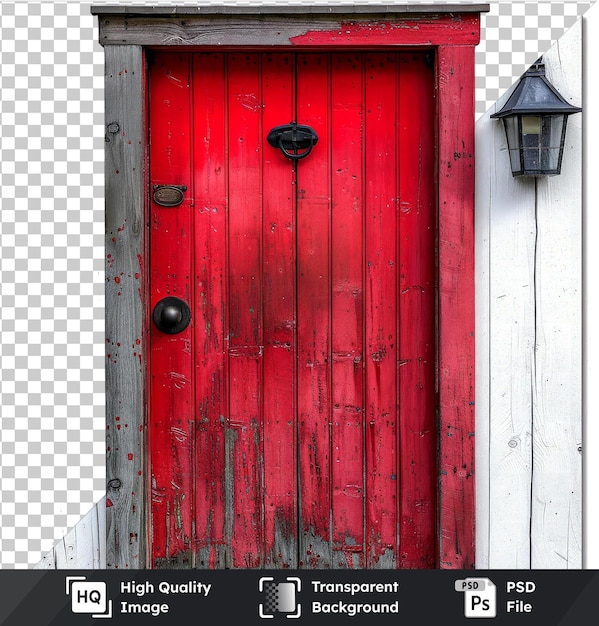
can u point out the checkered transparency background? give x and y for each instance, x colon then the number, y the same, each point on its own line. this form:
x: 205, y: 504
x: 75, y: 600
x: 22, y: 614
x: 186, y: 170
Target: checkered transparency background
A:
x: 52, y: 463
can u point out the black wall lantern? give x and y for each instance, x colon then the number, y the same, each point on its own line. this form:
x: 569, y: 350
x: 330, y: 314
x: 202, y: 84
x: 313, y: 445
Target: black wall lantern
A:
x: 535, y: 118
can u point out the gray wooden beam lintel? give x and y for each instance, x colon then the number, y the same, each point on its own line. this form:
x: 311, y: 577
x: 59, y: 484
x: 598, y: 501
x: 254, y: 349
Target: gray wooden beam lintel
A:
x: 371, y: 9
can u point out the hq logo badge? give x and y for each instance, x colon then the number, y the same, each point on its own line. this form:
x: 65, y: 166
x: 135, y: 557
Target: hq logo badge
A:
x: 88, y: 597
x: 480, y: 597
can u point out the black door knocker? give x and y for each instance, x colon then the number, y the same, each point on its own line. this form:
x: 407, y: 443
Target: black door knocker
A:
x: 291, y: 138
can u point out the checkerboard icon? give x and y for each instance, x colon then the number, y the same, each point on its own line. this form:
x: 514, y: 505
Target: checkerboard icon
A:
x: 279, y: 597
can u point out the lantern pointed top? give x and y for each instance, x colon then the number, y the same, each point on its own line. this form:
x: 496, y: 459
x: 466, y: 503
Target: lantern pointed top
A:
x: 535, y: 95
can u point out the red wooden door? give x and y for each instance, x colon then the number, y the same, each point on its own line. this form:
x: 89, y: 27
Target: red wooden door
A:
x: 292, y: 422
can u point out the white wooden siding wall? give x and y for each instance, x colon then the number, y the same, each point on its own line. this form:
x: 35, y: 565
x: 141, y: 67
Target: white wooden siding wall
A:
x: 529, y: 362
x: 84, y: 546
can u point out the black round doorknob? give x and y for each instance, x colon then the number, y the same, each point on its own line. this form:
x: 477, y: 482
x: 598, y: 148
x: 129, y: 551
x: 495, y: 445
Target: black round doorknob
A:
x: 171, y: 315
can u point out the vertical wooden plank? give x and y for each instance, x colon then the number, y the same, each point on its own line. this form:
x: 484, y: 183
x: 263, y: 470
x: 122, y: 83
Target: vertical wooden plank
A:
x: 556, y: 531
x: 209, y: 157
x: 100, y: 550
x: 456, y: 304
x: 171, y: 369
x: 244, y: 299
x: 347, y: 303
x: 278, y: 260
x: 416, y: 298
x: 86, y: 538
x: 380, y: 286
x: 590, y: 313
x: 485, y: 165
x: 125, y: 306
x: 511, y: 346
x: 313, y: 312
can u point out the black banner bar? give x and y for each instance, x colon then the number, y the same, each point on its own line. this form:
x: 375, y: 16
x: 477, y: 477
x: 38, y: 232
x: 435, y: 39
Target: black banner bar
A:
x: 295, y: 597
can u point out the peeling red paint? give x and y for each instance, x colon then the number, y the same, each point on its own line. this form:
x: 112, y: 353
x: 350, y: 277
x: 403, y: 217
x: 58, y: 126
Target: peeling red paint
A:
x: 139, y: 275
x: 431, y: 30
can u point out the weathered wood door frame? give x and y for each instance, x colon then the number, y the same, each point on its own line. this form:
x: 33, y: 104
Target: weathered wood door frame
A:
x: 126, y: 32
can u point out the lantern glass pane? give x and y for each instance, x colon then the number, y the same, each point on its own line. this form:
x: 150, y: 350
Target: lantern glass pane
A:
x: 513, y: 143
x: 552, y: 135
x: 531, y: 143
